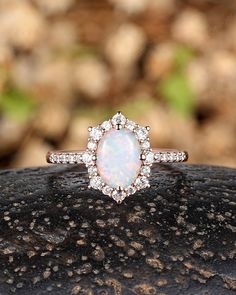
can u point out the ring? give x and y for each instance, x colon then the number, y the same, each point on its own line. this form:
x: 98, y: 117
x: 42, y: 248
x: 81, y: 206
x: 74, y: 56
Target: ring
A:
x: 118, y: 157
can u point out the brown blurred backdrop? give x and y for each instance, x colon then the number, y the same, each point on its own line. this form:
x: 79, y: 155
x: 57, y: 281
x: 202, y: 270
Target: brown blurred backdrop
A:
x: 69, y: 64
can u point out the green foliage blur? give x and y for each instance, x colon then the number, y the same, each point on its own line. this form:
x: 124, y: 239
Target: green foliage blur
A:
x: 175, y: 88
x: 17, y: 104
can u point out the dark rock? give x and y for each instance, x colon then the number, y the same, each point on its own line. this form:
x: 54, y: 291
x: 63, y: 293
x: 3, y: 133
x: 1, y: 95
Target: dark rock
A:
x: 58, y: 237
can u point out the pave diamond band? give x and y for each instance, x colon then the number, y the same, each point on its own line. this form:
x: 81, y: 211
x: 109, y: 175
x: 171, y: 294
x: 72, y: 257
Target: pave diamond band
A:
x: 118, y: 157
x: 65, y: 157
x: 170, y: 156
x: 76, y: 157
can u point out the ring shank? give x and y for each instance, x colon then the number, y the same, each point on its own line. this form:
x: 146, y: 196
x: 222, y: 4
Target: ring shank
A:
x: 76, y: 157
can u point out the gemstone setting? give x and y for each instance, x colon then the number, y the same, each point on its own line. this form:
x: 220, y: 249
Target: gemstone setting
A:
x: 118, y: 157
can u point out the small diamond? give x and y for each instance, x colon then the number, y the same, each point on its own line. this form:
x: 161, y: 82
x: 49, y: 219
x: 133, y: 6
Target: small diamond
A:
x: 96, y: 182
x: 92, y: 145
x: 172, y: 157
x: 180, y: 157
x: 145, y: 144
x: 149, y: 158
x: 106, y: 125
x: 118, y: 119
x: 141, y: 133
x: 118, y: 196
x: 87, y: 158
x: 57, y: 159
x: 107, y: 190
x: 78, y: 158
x: 72, y: 159
x: 131, y: 190
x: 52, y: 158
x: 130, y: 125
x: 95, y: 133
x: 142, y: 182
x: 167, y: 157
x: 92, y: 171
x: 63, y: 159
x: 164, y: 157
x: 146, y: 170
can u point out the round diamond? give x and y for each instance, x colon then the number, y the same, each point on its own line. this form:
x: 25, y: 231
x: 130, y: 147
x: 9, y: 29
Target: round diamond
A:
x: 130, y: 125
x: 95, y: 133
x: 168, y: 155
x: 149, y: 158
x: 72, y: 159
x: 53, y: 158
x: 118, y: 119
x: 96, y: 182
x: 141, y: 182
x: 164, y: 157
x: 92, y: 145
x: 180, y: 156
x: 118, y: 196
x: 57, y: 159
x: 106, y: 125
x: 87, y: 158
x: 63, y: 159
x: 92, y: 171
x: 145, y: 144
x: 146, y: 170
x: 131, y: 190
x: 78, y: 158
x: 107, y: 190
x: 172, y: 157
x: 141, y: 133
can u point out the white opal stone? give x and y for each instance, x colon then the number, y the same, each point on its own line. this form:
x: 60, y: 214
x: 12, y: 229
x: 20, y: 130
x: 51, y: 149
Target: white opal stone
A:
x: 118, y: 158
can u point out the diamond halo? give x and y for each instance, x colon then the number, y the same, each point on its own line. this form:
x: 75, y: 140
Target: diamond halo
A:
x: 118, y: 157
x: 118, y: 122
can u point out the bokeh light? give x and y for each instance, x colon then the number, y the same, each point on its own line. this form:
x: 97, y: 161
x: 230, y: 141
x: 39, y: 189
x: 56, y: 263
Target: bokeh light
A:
x: 69, y: 64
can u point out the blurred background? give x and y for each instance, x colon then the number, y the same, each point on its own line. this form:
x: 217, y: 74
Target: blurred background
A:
x: 69, y: 64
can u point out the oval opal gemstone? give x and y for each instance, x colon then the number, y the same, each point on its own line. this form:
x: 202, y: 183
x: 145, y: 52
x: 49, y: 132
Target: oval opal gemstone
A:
x: 118, y: 158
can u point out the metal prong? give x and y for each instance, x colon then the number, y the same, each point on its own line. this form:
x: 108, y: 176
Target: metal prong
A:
x: 119, y: 112
x: 119, y: 202
x: 94, y: 158
x: 90, y: 128
x: 142, y: 157
x: 148, y: 128
x: 118, y: 126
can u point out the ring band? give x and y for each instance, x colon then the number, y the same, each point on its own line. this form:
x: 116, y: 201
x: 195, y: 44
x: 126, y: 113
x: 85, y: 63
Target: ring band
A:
x: 76, y: 157
x: 118, y: 157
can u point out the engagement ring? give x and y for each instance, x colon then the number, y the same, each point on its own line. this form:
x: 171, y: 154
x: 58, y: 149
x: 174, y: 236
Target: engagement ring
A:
x: 118, y: 157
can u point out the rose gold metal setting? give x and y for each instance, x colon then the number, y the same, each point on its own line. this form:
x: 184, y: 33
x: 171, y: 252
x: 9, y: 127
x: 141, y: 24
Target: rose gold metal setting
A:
x: 75, y: 157
x: 148, y: 156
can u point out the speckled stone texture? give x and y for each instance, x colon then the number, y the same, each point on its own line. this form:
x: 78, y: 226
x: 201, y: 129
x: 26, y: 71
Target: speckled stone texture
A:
x: 58, y: 237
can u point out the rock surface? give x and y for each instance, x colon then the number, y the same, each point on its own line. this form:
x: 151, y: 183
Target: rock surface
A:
x: 58, y: 237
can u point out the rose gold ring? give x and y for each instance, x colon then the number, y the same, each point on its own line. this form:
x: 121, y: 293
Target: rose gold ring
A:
x: 118, y: 157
